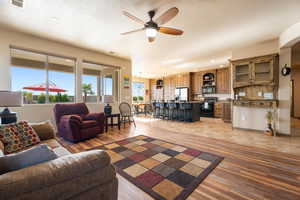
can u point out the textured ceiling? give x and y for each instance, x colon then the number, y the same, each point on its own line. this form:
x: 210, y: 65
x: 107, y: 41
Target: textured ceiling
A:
x: 213, y: 28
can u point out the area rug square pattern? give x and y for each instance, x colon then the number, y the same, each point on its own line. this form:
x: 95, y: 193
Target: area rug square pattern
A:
x: 161, y: 169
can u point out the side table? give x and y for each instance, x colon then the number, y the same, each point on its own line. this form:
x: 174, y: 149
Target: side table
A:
x: 112, y: 124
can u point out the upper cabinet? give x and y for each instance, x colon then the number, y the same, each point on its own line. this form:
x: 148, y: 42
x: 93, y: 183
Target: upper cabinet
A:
x: 223, y: 81
x: 255, y: 71
x: 262, y: 72
x: 241, y: 74
x: 197, y: 82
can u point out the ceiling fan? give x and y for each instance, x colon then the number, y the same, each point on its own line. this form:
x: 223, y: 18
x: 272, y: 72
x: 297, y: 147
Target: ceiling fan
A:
x: 152, y: 27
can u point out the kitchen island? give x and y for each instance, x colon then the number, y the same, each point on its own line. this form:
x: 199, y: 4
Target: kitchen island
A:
x: 188, y: 111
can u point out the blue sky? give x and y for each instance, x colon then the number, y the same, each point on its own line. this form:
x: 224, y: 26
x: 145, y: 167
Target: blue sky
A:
x: 22, y: 77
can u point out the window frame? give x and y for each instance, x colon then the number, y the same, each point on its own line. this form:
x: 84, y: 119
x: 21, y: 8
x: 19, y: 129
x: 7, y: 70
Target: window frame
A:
x: 116, y: 86
x: 47, y: 70
x: 116, y: 77
x: 144, y: 91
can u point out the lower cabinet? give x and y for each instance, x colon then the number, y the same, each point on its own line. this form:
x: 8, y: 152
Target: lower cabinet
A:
x: 219, y: 109
x: 227, y: 112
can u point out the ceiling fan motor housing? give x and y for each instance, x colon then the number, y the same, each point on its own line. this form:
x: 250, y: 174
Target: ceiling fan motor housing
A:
x: 151, y: 24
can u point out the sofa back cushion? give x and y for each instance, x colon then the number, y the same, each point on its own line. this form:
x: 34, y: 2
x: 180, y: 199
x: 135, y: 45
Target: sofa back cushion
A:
x: 17, y: 136
x: 45, y: 130
x: 33, y: 156
x: 69, y: 109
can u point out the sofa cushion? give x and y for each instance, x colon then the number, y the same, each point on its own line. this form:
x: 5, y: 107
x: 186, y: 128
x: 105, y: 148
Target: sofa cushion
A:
x: 52, y: 143
x: 45, y: 130
x: 35, y: 155
x: 56, y: 147
x: 10, y: 138
x: 89, y: 124
x: 28, y: 136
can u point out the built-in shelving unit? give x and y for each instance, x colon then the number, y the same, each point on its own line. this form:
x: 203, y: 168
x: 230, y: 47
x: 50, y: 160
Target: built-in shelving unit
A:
x: 255, y: 81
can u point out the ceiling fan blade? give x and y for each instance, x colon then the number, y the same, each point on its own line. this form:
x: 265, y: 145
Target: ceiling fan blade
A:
x: 167, y: 16
x: 134, y: 31
x: 134, y: 18
x: 171, y: 31
x: 151, y: 39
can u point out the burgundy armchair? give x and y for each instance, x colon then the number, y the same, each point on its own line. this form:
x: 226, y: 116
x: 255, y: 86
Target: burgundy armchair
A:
x: 75, y: 123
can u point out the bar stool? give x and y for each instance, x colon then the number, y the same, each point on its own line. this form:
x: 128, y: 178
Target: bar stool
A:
x: 172, y: 111
x: 156, y: 110
x: 188, y: 112
x: 181, y: 112
x: 167, y: 111
x: 161, y: 110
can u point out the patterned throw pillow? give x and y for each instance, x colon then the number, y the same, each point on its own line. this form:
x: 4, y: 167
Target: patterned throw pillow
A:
x: 27, y: 135
x: 10, y: 138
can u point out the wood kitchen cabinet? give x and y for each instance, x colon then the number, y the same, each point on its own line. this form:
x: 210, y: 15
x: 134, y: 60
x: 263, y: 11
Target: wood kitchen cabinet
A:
x: 227, y: 112
x: 197, y: 82
x: 223, y: 81
x: 218, y: 110
x: 241, y: 73
x: 261, y: 70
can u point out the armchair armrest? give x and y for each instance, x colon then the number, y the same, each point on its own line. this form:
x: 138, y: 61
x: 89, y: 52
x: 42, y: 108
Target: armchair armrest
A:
x: 69, y: 127
x: 73, y: 118
x: 99, y: 117
x: 94, y: 116
x: 61, y: 178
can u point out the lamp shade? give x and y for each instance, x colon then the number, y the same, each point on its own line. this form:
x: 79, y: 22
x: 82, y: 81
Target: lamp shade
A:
x: 108, y: 99
x: 10, y: 99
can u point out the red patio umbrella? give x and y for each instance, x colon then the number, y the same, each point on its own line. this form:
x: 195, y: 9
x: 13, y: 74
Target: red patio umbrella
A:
x: 43, y: 86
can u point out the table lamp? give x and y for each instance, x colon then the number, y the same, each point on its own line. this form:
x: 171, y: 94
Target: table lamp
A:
x: 107, y: 107
x: 9, y: 99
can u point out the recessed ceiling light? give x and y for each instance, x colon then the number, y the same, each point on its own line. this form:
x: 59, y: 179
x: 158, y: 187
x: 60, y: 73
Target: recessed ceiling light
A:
x: 212, y: 61
x: 221, y: 66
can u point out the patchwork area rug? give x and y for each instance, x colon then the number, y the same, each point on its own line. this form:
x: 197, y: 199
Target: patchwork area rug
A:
x: 162, y: 169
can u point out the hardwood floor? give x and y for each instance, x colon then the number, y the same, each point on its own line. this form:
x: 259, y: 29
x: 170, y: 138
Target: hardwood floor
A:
x: 247, y: 172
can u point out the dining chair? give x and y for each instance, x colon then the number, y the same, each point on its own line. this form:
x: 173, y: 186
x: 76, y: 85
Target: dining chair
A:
x: 126, y: 113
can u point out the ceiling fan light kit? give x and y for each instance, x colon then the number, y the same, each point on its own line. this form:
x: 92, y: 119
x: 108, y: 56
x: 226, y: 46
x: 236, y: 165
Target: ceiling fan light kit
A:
x: 151, y: 32
x: 152, y: 27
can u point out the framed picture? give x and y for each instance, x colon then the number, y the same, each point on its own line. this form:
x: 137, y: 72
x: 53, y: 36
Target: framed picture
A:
x: 126, y: 81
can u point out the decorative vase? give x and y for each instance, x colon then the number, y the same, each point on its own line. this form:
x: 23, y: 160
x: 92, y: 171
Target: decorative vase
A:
x: 270, y: 131
x: 107, y: 109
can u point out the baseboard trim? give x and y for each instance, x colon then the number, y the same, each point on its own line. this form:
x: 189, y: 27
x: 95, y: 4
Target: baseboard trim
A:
x: 248, y: 129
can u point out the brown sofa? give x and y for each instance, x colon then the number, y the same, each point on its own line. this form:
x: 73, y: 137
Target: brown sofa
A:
x: 86, y: 175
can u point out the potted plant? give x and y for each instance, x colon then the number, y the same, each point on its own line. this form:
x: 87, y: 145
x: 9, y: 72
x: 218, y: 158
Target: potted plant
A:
x: 270, y: 118
x: 134, y: 99
x: 141, y: 98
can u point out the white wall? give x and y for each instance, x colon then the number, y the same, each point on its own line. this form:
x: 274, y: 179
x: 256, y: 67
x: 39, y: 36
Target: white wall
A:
x: 284, y: 93
x: 260, y: 49
x: 34, y: 113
